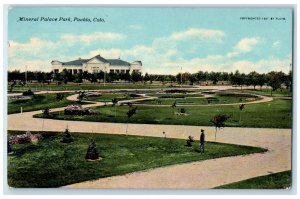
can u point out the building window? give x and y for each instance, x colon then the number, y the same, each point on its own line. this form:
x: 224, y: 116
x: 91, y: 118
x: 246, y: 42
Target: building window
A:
x: 127, y: 71
x: 80, y: 70
x: 75, y: 71
x: 117, y: 71
x: 122, y: 71
x: 56, y: 71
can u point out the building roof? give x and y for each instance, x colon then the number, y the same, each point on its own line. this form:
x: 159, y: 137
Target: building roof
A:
x: 112, y: 62
x: 77, y: 62
x: 99, y: 58
x: 118, y: 62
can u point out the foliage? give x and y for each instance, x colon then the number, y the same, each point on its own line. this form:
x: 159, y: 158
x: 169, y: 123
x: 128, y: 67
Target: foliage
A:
x: 114, y: 101
x: 92, y: 153
x: 276, y: 79
x: 219, y: 120
x: 131, y: 112
x: 189, y: 141
x: 253, y: 78
x: 67, y: 137
x: 28, y: 92
x: 242, y: 106
x: 60, y: 96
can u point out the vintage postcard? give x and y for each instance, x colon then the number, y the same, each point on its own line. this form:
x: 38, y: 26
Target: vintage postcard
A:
x: 149, y: 97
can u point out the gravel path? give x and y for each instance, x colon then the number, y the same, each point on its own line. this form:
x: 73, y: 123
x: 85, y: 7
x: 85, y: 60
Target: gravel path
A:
x: 195, y: 175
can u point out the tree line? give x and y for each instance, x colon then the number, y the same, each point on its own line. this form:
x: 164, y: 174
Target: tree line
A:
x: 274, y: 79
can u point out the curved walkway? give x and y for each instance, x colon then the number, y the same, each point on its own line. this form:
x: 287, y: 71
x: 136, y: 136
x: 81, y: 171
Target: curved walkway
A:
x: 195, y: 175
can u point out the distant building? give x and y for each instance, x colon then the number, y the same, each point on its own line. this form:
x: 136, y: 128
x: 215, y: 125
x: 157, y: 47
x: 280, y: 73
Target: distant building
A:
x: 97, y: 64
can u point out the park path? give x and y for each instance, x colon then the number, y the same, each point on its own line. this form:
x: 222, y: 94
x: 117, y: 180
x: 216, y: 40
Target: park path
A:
x: 195, y: 175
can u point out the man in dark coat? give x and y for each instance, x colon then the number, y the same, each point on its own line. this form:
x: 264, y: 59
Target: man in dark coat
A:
x: 202, y: 140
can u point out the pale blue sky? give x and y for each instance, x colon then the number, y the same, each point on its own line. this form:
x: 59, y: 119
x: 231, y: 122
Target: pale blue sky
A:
x: 164, y: 39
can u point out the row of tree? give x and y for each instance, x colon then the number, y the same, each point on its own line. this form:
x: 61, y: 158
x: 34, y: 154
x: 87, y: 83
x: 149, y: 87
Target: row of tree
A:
x: 273, y: 79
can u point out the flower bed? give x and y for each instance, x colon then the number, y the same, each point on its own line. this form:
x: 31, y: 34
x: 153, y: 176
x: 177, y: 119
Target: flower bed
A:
x: 78, y: 110
x: 25, y: 138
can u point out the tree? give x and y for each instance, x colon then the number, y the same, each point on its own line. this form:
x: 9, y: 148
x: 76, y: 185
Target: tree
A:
x: 192, y: 78
x: 276, y: 79
x: 261, y: 80
x: 201, y: 76
x: 214, y: 77
x: 253, y: 78
x: 146, y: 78
x: 219, y: 122
x: 288, y: 80
x: 136, y: 76
x: 236, y: 78
x: 130, y: 113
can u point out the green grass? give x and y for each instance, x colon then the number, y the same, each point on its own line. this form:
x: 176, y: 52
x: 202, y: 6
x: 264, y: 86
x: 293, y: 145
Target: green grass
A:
x: 280, y: 180
x: 50, y: 163
x: 199, y: 101
x: 274, y: 114
x: 107, y: 97
x: 266, y: 92
x: 86, y: 86
x: 38, y: 102
x: 174, y: 95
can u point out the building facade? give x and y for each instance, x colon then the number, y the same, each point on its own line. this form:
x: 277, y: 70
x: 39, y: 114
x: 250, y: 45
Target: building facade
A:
x: 97, y: 64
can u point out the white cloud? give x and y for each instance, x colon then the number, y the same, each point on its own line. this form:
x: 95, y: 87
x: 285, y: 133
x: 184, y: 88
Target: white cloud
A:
x: 97, y: 36
x: 197, y: 33
x: 247, y: 44
x: 276, y: 44
x: 135, y: 27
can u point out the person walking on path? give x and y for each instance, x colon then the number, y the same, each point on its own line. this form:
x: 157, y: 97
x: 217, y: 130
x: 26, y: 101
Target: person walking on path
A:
x: 202, y: 140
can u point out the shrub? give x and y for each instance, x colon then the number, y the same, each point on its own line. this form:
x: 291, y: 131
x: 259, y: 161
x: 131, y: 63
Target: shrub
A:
x: 28, y: 92
x: 67, y: 137
x: 92, y: 153
x: 59, y: 96
x: 189, y: 141
x: 46, y: 112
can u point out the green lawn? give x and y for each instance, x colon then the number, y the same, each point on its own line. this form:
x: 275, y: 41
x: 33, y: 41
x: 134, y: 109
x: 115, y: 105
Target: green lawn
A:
x: 199, y: 101
x: 38, y: 102
x: 86, y: 86
x: 107, y: 97
x: 50, y: 163
x: 280, y: 180
x: 274, y: 114
x: 175, y: 95
x: 266, y: 92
